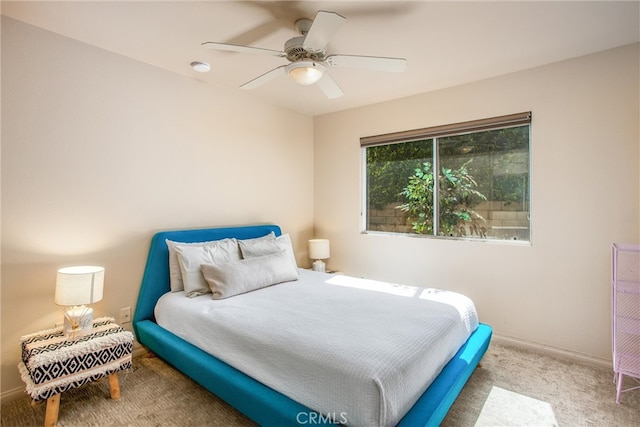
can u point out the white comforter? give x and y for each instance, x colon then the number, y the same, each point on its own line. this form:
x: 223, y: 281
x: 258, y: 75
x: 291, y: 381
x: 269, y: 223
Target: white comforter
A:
x: 360, y: 350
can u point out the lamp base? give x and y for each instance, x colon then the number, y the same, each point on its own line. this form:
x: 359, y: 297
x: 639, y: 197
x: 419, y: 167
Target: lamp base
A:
x: 78, y: 321
x: 319, y: 265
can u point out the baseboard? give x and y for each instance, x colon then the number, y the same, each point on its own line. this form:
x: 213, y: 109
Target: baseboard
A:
x: 11, y: 395
x: 553, y: 351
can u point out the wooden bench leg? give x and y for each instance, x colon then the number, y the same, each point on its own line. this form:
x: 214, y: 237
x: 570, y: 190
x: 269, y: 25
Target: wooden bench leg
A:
x: 53, y: 407
x: 114, y: 386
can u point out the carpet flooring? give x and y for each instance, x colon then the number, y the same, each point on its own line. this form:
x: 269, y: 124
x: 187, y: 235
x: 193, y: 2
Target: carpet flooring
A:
x: 513, y: 387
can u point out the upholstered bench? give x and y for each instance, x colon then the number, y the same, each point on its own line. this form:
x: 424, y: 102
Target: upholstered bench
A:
x: 52, y: 363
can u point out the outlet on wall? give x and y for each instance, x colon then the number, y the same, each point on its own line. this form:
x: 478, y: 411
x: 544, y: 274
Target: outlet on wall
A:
x: 125, y: 315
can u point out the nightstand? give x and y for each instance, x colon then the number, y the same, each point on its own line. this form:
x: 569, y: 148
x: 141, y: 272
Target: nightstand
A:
x: 52, y: 363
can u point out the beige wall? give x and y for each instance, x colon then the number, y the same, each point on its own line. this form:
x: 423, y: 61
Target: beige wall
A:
x: 585, y: 195
x: 100, y: 151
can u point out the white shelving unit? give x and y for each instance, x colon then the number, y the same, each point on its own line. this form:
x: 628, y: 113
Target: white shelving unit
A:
x: 625, y: 309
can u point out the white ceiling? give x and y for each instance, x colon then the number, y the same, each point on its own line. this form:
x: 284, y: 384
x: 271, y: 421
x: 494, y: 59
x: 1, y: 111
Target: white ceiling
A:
x: 445, y: 43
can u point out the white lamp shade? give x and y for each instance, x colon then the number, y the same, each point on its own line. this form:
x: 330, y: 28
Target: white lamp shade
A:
x: 79, y: 285
x: 319, y: 249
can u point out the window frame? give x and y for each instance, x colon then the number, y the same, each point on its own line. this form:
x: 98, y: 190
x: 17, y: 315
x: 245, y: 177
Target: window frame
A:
x: 434, y: 133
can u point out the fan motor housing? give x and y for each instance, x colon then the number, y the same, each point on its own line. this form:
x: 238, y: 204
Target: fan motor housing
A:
x: 296, y: 51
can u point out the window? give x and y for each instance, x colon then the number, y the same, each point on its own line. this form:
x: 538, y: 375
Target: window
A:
x: 480, y: 191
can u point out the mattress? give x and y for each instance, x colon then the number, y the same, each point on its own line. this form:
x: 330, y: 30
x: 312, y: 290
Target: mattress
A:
x: 357, y: 350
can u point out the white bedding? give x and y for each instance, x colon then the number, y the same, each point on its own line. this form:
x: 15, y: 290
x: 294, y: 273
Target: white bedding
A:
x: 360, y: 350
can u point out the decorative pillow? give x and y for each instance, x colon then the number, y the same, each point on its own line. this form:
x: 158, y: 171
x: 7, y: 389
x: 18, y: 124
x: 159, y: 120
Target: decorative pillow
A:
x: 175, y: 274
x: 191, y: 257
x: 270, y: 236
x: 239, y: 277
x: 266, y: 247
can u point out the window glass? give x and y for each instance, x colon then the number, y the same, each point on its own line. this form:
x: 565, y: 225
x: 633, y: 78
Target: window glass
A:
x: 480, y: 189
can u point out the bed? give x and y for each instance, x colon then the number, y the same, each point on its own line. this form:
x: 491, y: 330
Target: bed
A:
x: 248, y: 393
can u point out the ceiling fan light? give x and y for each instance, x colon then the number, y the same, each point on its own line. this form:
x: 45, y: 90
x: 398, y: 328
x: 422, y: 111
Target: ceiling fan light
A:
x: 305, y: 72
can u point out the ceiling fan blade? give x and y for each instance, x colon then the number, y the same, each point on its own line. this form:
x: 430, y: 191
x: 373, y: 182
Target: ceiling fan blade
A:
x: 243, y: 49
x: 378, y: 63
x: 329, y: 86
x: 324, y: 26
x: 255, y: 34
x: 266, y: 77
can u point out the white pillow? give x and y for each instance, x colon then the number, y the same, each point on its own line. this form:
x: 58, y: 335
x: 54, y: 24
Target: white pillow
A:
x: 266, y: 247
x: 239, y: 277
x: 175, y: 274
x: 191, y: 257
x: 270, y: 236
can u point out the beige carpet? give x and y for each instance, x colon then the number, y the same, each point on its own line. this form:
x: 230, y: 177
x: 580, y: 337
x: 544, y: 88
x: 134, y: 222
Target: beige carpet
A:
x: 516, y: 387
x: 513, y: 387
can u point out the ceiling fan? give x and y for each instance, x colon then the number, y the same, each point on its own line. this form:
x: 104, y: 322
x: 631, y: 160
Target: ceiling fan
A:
x: 308, y: 56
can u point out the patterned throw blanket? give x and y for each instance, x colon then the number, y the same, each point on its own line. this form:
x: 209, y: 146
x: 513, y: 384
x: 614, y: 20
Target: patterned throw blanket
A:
x: 52, y: 363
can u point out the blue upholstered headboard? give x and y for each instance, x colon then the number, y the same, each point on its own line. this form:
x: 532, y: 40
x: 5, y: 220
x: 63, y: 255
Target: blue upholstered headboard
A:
x: 155, y: 281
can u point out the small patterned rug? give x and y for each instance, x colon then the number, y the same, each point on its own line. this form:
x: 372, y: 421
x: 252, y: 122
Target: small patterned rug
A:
x: 513, y: 387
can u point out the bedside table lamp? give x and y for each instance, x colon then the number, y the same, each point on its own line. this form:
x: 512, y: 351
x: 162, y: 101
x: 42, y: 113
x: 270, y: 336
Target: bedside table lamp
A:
x: 75, y: 287
x: 319, y: 250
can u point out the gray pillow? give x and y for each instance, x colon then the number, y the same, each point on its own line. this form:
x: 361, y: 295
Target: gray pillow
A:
x: 265, y: 247
x: 229, y: 245
x: 191, y: 257
x: 175, y: 273
x: 239, y: 277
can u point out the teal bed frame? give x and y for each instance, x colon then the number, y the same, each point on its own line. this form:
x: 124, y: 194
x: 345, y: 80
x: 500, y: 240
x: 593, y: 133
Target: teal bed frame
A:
x: 260, y: 403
